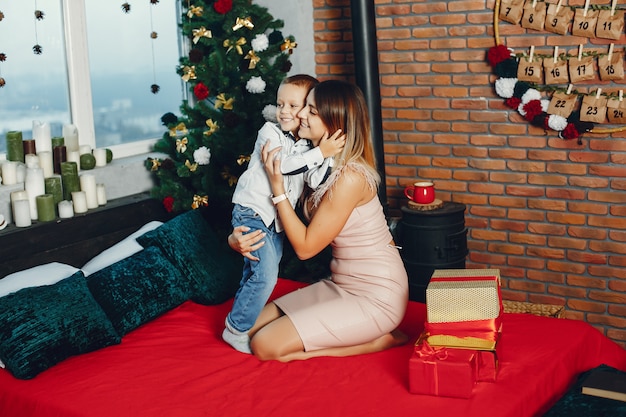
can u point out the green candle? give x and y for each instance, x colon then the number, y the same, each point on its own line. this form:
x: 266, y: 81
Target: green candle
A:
x: 53, y: 186
x: 45, y: 208
x: 57, y: 141
x: 69, y: 179
x: 15, y: 147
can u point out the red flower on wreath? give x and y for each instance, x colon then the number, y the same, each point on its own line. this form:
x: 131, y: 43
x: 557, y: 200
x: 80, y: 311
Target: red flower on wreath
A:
x: 498, y: 54
x: 532, y: 109
x: 570, y: 132
x: 223, y: 6
x: 513, y: 102
x: 168, y: 203
x: 201, y: 91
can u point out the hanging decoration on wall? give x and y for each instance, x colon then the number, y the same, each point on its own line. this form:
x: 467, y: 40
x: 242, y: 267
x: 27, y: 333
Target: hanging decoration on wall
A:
x: 126, y: 8
x: 39, y: 15
x: 523, y: 78
x: 154, y: 88
x: 3, y: 57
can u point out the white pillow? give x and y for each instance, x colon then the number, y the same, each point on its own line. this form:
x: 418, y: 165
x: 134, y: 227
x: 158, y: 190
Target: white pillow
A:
x: 121, y: 250
x: 36, y: 276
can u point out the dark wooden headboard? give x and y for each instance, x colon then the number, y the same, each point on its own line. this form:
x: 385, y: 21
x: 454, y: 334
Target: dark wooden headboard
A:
x: 76, y: 240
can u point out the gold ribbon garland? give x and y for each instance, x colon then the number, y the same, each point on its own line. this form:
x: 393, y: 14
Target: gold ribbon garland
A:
x: 221, y: 101
x: 212, y: 127
x: 254, y: 59
x: 237, y: 45
x: 288, y: 45
x: 240, y: 23
x: 199, y: 201
x: 200, y: 33
x: 189, y: 73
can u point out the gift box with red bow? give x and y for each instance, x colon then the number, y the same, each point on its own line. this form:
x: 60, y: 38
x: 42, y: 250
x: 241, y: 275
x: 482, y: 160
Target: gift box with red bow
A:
x: 442, y: 371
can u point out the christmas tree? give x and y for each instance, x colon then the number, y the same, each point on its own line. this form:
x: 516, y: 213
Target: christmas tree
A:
x: 237, y: 58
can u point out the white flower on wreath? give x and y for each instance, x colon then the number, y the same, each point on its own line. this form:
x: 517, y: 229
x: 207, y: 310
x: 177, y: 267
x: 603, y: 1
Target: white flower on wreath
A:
x: 202, y: 155
x: 255, y: 85
x: 269, y: 113
x: 260, y: 42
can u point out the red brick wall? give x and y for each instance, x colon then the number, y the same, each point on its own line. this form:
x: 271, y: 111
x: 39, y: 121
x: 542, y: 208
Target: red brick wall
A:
x: 549, y: 213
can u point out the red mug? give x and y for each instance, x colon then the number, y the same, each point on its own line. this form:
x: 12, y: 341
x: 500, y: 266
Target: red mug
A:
x: 422, y: 192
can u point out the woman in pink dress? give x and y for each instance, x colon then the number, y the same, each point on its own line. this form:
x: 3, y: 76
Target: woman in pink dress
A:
x: 357, y: 309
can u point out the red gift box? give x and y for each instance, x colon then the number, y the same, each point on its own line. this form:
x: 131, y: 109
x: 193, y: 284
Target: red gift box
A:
x: 442, y: 371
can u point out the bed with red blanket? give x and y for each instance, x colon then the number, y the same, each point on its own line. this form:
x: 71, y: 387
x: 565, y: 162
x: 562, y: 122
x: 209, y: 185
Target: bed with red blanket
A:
x: 177, y: 365
x: 164, y: 290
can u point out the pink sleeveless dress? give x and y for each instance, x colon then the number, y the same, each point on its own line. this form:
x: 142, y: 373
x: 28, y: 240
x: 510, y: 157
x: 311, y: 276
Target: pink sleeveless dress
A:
x: 367, y: 293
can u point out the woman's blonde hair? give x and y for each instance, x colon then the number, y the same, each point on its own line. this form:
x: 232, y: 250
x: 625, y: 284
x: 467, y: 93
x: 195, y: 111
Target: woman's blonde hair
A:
x: 341, y: 105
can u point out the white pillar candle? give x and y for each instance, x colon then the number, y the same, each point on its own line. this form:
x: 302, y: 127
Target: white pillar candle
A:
x: 34, y: 186
x: 88, y: 185
x: 102, y: 194
x: 21, y: 213
x: 70, y: 136
x: 41, y: 134
x: 21, y: 172
x: 45, y: 162
x: 74, y: 156
x: 31, y: 160
x: 66, y: 209
x: 101, y: 156
x: 83, y: 149
x: 18, y: 195
x: 80, y: 201
x: 9, y: 172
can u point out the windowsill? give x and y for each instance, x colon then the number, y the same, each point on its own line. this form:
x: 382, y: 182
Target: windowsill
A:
x: 123, y: 177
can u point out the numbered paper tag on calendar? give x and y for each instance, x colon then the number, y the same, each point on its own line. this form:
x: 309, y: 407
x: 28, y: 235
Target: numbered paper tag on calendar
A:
x: 558, y: 21
x: 555, y: 72
x: 534, y: 17
x: 511, y: 11
x: 616, y: 112
x: 593, y: 109
x: 612, y: 69
x: 585, y: 24
x: 610, y: 26
x: 581, y: 69
x: 562, y: 104
x: 529, y: 71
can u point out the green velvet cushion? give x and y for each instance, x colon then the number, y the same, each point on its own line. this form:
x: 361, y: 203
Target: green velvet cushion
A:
x: 192, y: 245
x: 42, y: 326
x: 138, y: 289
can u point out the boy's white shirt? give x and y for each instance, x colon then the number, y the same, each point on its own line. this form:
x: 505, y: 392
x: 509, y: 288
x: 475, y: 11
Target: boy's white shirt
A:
x: 253, y: 188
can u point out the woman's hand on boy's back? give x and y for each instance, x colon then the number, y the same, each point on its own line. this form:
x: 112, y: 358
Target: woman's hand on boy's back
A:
x: 331, y: 145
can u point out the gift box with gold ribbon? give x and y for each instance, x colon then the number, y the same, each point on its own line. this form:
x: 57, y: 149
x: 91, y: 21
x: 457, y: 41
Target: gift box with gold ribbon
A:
x: 464, y: 308
x: 442, y: 371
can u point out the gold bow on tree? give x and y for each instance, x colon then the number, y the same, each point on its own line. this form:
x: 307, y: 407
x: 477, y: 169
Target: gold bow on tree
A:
x: 200, y: 33
x: 237, y: 45
x: 243, y: 23
x: 181, y: 145
x: 212, y: 127
x: 232, y: 180
x: 190, y: 166
x: 178, y: 128
x: 288, y: 45
x: 199, y: 201
x: 189, y: 73
x: 220, y: 101
x: 243, y: 159
x: 155, y: 164
x: 194, y: 11
x: 254, y: 59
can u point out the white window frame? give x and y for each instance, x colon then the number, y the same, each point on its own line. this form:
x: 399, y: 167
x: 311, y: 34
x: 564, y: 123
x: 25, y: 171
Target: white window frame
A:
x: 79, y: 81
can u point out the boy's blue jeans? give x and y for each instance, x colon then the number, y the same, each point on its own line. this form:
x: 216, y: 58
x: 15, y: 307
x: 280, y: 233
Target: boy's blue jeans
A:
x: 259, y: 277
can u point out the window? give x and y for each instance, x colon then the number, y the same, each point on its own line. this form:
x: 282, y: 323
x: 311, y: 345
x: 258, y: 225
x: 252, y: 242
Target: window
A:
x: 96, y: 70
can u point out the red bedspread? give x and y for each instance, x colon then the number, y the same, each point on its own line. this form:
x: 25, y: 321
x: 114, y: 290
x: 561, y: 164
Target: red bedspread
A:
x: 177, y: 365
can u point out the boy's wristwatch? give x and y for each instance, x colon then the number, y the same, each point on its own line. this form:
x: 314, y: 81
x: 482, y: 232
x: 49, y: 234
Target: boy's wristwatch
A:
x: 279, y: 198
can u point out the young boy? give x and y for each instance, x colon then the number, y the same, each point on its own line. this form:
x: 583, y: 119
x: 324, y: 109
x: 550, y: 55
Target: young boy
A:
x: 254, y: 205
